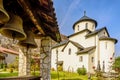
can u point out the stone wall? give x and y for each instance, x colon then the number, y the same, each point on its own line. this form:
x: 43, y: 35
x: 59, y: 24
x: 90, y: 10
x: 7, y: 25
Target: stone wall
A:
x: 45, y: 58
x: 24, y: 62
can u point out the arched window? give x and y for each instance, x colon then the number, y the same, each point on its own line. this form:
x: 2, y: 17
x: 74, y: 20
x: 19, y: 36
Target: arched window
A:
x: 56, y: 51
x: 81, y: 58
x: 86, y: 25
x: 78, y: 27
x: 92, y: 59
x: 104, y: 33
x: 69, y: 51
x: 92, y: 26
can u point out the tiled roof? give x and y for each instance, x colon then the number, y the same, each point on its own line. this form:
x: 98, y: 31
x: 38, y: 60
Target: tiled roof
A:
x: 78, y: 33
x: 60, y: 44
x: 66, y: 42
x: 85, y: 18
x: 77, y: 45
x: 85, y: 50
x: 96, y: 31
x: 107, y: 38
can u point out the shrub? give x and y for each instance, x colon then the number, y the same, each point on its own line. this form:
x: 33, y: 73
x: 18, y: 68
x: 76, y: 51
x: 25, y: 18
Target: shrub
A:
x: 4, y: 68
x: 11, y: 65
x: 11, y: 70
x: 81, y: 71
x: 37, y: 67
x: 60, y: 68
x: 1, y: 65
x: 52, y: 69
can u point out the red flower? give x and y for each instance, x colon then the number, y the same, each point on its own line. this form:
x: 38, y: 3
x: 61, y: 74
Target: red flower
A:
x: 110, y: 58
x: 93, y: 67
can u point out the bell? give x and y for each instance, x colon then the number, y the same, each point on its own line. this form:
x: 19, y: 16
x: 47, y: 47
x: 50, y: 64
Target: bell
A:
x: 4, y: 17
x: 29, y: 42
x: 14, y: 29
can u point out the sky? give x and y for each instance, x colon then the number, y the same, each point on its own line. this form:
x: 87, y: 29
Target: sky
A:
x: 105, y: 12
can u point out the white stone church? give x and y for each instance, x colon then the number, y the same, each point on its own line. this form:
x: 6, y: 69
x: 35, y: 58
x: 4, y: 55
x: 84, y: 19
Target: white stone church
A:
x: 86, y: 47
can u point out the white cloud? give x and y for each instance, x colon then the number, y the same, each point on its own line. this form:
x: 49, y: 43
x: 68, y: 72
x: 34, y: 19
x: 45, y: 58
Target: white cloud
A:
x: 71, y: 8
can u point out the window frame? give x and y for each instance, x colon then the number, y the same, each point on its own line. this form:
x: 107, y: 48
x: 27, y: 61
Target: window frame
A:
x: 81, y: 58
x: 86, y: 25
x: 69, y: 51
x: 92, y: 59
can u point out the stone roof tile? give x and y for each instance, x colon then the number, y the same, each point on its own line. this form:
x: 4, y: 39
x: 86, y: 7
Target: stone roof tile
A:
x: 85, y: 50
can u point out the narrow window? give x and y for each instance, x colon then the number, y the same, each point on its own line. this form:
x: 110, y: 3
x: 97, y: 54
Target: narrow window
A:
x: 81, y: 58
x: 104, y: 33
x: 56, y: 51
x: 69, y: 52
x: 56, y: 56
x: 92, y: 59
x: 92, y: 26
x: 78, y: 27
x: 86, y: 25
x: 106, y: 45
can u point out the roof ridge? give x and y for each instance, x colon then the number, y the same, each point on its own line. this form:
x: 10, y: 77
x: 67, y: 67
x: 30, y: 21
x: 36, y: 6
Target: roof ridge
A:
x: 96, y: 31
x: 77, y: 44
x: 85, y: 50
x: 61, y: 43
x: 106, y: 38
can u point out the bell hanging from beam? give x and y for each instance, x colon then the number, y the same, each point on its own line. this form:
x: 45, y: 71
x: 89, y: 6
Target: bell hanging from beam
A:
x: 14, y: 28
x: 29, y: 42
x: 4, y: 17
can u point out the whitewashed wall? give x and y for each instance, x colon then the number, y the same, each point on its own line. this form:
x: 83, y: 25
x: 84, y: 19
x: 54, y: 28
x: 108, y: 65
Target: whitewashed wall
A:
x: 79, y: 38
x: 70, y: 61
x: 102, y: 33
x: 85, y: 61
x: 54, y: 56
x: 107, y: 48
x: 90, y: 62
x: 82, y: 26
x: 90, y: 41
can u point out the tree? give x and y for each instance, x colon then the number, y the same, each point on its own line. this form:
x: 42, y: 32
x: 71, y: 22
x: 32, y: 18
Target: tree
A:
x: 116, y: 64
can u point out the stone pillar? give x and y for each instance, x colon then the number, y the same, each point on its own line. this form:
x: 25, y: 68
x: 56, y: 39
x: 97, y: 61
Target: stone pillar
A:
x: 24, y: 62
x: 45, y: 58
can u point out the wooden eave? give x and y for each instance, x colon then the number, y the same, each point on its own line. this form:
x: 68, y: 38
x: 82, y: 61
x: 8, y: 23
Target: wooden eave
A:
x: 37, y: 15
x: 5, y: 50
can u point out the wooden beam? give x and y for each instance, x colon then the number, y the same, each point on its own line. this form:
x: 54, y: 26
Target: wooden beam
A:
x: 26, y: 7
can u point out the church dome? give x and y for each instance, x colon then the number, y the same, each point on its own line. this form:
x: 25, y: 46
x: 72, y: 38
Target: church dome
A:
x: 85, y: 18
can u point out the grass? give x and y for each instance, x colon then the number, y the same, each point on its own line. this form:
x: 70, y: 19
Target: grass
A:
x: 67, y: 76
x: 54, y: 76
x: 8, y: 74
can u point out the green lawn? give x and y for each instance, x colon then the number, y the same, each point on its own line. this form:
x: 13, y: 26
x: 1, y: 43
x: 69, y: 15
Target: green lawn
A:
x: 54, y: 76
x: 67, y: 76
x: 8, y: 74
